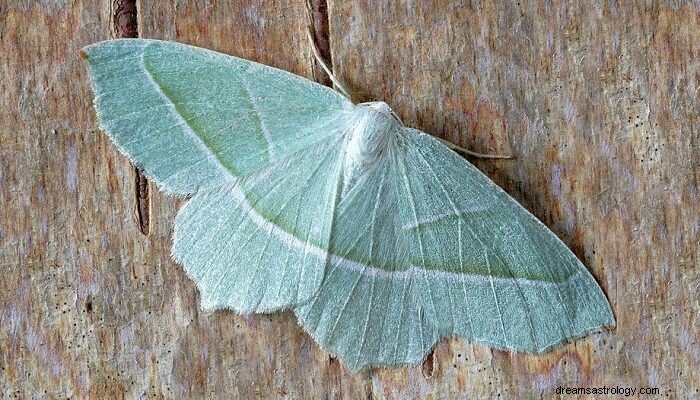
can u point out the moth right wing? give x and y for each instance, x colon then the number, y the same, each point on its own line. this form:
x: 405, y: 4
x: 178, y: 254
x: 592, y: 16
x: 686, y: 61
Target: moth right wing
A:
x: 194, y: 118
x: 366, y: 309
x: 426, y: 246
x: 487, y: 269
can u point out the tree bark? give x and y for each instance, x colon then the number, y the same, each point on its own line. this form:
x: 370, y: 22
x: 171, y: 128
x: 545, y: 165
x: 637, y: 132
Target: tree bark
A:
x: 598, y: 102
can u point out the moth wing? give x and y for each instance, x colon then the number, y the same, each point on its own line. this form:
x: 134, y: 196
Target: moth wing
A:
x: 192, y: 118
x: 260, y: 244
x: 487, y: 269
x: 366, y: 309
x: 467, y: 260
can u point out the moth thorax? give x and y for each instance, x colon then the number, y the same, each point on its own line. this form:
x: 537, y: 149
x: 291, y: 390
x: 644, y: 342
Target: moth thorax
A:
x: 373, y: 129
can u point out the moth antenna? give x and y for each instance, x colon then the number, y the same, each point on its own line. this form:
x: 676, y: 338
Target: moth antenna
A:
x: 472, y: 153
x: 317, y: 54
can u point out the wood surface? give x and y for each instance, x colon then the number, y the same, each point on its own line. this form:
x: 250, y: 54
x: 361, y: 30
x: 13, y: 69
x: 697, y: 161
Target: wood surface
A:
x: 598, y: 101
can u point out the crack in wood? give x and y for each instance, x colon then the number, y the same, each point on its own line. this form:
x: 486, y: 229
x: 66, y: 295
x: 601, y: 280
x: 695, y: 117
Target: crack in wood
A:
x: 318, y: 12
x: 143, y: 201
x: 125, y: 19
x: 428, y: 365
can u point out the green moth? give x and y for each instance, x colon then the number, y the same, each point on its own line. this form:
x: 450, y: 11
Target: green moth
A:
x: 379, y: 237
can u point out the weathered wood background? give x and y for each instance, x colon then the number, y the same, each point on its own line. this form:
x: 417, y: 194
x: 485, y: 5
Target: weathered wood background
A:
x: 598, y: 101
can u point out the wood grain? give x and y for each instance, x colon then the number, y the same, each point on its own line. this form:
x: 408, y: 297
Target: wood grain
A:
x: 599, y: 102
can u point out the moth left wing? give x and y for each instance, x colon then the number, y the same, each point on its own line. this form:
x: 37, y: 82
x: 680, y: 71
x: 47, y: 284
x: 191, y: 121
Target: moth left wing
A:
x: 193, y: 118
x: 260, y: 244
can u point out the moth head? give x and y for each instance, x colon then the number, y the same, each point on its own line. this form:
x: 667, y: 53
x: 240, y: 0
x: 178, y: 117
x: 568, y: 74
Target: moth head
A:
x: 382, y: 108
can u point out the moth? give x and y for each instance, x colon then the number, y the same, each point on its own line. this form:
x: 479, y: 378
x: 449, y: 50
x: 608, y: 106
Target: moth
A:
x: 379, y: 237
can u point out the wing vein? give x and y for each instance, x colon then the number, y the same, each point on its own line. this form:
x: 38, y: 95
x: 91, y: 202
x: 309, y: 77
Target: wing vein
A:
x: 186, y: 127
x: 265, y: 132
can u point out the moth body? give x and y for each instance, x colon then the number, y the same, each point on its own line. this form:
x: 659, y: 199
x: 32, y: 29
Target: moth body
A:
x: 372, y: 130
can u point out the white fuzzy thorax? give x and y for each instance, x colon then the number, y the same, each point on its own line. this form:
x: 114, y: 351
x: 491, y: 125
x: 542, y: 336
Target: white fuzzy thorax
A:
x: 373, y: 128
